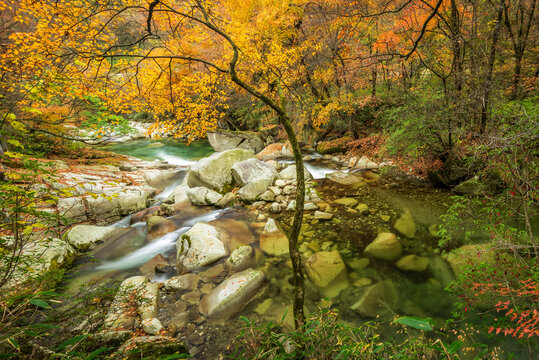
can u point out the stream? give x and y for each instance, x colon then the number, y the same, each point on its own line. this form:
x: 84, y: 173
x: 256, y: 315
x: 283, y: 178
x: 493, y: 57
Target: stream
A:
x: 417, y: 293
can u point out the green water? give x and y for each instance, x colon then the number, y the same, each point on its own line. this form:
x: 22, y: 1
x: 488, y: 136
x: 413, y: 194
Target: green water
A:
x: 171, y: 150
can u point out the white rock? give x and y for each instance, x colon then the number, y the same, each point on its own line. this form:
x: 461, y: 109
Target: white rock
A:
x: 253, y: 170
x: 232, y: 294
x: 200, y: 246
x: 203, y: 196
x: 289, y: 173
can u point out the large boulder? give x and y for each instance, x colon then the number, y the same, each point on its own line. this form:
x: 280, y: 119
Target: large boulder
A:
x: 232, y: 294
x: 327, y: 271
x: 377, y: 300
x: 214, y: 172
x: 222, y: 140
x: 253, y: 190
x: 252, y: 170
x: 198, y: 247
x: 72, y: 208
x: 86, y: 237
x: 203, y: 196
x: 386, y: 246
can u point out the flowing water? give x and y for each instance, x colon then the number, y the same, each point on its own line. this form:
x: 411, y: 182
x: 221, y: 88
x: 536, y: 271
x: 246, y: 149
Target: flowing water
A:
x: 418, y: 293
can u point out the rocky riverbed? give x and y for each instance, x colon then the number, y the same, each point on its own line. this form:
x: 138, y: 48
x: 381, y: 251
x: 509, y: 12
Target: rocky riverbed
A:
x: 213, y: 245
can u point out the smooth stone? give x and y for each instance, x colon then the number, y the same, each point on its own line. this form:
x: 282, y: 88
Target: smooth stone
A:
x: 359, y: 264
x: 289, y: 173
x: 362, y: 282
x: 215, y: 171
x: 267, y: 195
x: 363, y: 208
x: 152, y: 326
x: 327, y: 271
x: 86, y: 237
x: 181, y: 282
x: 274, y: 151
x: 272, y: 240
x: 386, y: 246
x: 242, y: 258
x: 203, y: 196
x: 148, y: 269
x: 376, y: 300
x: 253, y: 170
x: 413, y: 263
x: 343, y: 178
x: 232, y: 294
x: 405, y: 225
x: 198, y: 247
x: 227, y: 200
x: 275, y: 208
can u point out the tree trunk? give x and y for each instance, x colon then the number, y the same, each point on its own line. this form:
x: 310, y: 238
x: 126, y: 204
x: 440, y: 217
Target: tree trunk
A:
x: 488, y: 79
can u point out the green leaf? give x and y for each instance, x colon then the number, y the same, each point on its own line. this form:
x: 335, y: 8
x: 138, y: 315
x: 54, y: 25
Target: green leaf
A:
x: 455, y: 346
x: 40, y: 303
x: 97, y: 352
x: 414, y: 322
x: 14, y: 343
x: 175, y: 356
x: 15, y: 143
x: 71, y: 341
x: 7, y: 356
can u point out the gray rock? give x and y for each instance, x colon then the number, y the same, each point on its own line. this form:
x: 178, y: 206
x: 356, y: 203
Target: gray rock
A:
x: 198, y: 247
x: 72, y: 208
x: 232, y: 294
x: 227, y: 200
x: 182, y: 282
x: 275, y: 208
x: 86, y: 237
x: 289, y: 173
x: 203, y: 196
x: 241, y: 259
x: 267, y: 195
x: 221, y: 140
x: 253, y: 190
x: 344, y: 178
x: 215, y: 171
x: 253, y: 170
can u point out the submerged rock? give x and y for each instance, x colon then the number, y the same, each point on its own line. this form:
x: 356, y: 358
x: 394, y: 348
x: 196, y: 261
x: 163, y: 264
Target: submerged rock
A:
x: 232, y: 294
x: 386, y: 246
x: 405, y: 225
x: 327, y: 271
x: 159, y: 226
x: 198, y: 247
x: 413, y: 263
x: 377, y: 300
x: 344, y: 178
x: 272, y: 240
x: 215, y: 171
x: 242, y: 258
x: 182, y: 282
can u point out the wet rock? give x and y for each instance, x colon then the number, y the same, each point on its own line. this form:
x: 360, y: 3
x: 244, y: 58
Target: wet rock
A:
x: 320, y: 215
x: 362, y: 282
x: 363, y: 209
x: 159, y: 226
x: 386, y: 246
x: 143, y: 215
x: 377, y: 300
x: 413, y: 263
x: 166, y: 210
x: 215, y: 171
x: 358, y: 264
x: 289, y: 173
x: 192, y: 297
x: 227, y: 200
x: 200, y: 246
x: 86, y: 237
x: 344, y: 178
x: 272, y: 240
x: 385, y: 218
x: 231, y: 295
x: 405, y: 225
x: 241, y: 259
x: 235, y: 233
x: 148, y: 269
x: 179, y: 194
x: 158, y: 178
x: 182, y: 282
x: 327, y: 271
x: 203, y: 196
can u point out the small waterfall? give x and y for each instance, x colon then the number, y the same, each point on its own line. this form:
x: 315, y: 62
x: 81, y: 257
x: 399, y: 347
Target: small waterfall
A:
x: 174, y: 160
x: 161, y: 245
